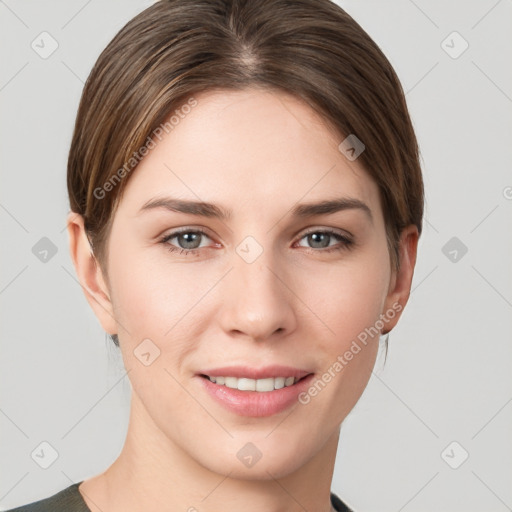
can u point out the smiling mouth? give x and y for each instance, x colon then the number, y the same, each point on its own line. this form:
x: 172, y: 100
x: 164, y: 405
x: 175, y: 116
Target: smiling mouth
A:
x: 258, y: 385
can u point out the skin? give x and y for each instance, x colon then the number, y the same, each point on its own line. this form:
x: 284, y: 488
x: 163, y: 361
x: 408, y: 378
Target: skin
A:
x: 257, y: 153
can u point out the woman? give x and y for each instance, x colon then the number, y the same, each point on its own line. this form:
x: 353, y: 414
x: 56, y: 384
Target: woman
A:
x: 246, y: 200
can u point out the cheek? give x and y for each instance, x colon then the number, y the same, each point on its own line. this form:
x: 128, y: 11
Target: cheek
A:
x: 345, y: 299
x: 347, y: 302
x: 154, y: 293
x: 163, y: 301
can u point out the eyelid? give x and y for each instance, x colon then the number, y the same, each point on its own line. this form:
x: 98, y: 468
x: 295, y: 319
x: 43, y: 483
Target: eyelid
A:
x: 341, y: 232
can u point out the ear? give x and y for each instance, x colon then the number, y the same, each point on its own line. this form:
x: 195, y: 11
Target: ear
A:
x: 89, y: 273
x: 400, y: 281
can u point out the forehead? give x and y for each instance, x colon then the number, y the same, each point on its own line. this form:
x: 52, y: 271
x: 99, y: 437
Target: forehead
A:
x: 248, y: 148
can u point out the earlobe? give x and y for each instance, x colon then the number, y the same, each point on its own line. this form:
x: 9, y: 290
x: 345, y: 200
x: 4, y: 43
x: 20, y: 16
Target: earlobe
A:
x: 401, y: 280
x: 89, y: 273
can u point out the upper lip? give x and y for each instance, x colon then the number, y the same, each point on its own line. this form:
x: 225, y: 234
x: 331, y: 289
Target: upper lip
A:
x: 255, y: 373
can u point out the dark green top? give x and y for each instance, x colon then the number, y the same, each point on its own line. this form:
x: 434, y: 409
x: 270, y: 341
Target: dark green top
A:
x: 70, y: 500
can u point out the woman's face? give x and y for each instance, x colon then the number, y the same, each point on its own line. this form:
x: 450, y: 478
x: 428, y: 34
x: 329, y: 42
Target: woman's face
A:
x: 262, y: 286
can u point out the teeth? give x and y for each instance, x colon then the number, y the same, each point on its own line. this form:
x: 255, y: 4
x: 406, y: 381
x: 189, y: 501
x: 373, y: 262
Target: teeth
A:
x: 260, y: 385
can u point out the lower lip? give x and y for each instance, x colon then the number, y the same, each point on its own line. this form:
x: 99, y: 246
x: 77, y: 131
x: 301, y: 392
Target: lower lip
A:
x: 254, y: 403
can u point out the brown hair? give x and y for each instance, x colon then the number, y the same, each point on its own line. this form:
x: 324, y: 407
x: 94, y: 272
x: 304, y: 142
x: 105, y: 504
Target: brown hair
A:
x: 176, y: 48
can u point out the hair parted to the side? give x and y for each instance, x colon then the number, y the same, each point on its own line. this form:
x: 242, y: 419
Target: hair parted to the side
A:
x: 174, y: 49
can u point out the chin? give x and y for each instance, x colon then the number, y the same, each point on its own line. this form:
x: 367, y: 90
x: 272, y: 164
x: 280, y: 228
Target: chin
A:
x: 259, y: 460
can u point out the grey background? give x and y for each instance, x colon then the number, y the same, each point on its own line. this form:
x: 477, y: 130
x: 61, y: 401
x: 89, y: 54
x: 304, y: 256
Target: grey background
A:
x: 447, y: 376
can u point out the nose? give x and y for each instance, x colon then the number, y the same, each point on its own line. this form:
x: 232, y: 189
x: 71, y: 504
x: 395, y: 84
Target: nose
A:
x: 257, y: 299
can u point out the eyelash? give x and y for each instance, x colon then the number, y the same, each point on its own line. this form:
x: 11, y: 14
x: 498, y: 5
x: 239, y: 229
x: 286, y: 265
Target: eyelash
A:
x: 346, y: 243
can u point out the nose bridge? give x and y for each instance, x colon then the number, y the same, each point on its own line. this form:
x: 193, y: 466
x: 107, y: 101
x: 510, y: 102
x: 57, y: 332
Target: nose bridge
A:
x: 257, y: 303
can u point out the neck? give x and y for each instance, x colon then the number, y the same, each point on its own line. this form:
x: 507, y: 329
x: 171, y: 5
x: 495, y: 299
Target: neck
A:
x: 153, y: 472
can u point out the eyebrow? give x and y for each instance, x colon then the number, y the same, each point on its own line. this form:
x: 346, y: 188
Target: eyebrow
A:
x: 211, y: 210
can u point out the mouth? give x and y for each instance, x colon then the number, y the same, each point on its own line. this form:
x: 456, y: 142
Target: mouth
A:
x: 255, y: 393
